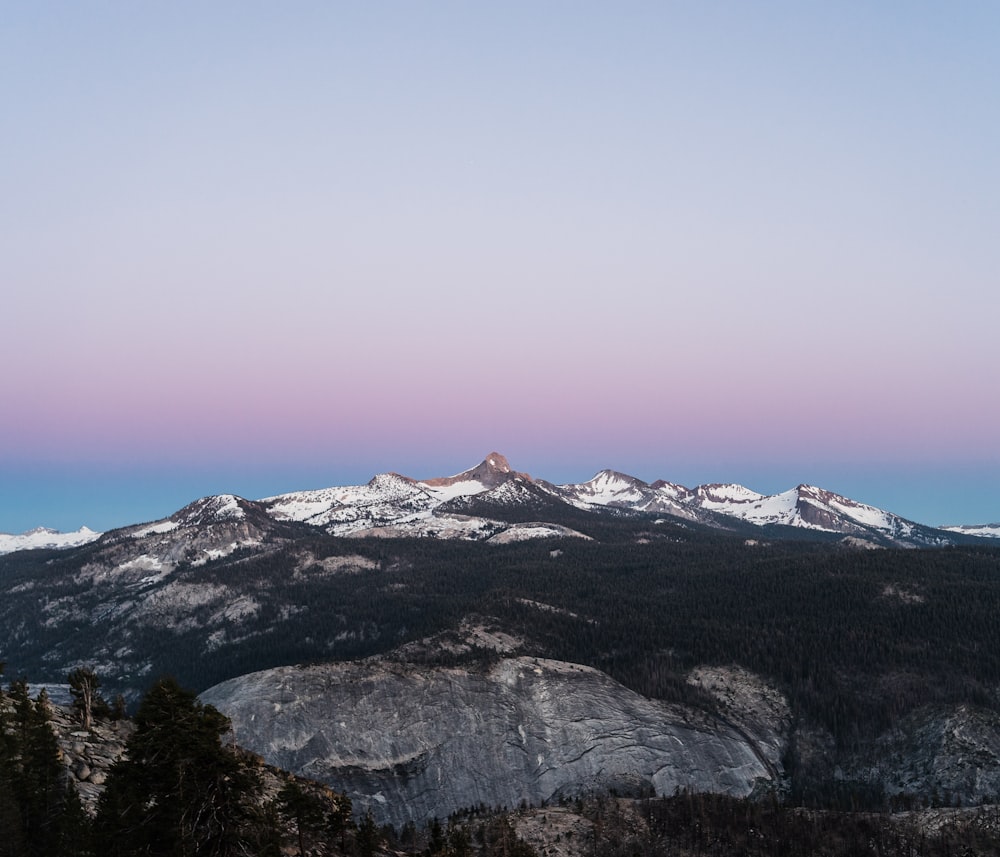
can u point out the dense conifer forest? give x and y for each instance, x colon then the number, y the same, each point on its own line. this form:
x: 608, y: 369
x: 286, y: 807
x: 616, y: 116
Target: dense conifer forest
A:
x: 856, y: 639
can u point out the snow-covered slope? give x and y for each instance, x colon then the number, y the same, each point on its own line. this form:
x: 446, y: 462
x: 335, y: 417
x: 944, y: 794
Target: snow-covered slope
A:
x: 42, y: 537
x: 808, y: 507
x: 486, y: 500
x: 805, y: 506
x: 492, y: 472
x: 619, y: 490
x: 983, y: 531
x: 387, y: 498
x: 474, y: 504
x: 442, y: 507
x: 610, y: 488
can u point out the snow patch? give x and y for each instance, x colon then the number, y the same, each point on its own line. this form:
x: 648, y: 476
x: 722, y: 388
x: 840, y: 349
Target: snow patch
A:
x: 158, y: 528
x: 443, y: 493
x: 527, y: 532
x: 210, y: 554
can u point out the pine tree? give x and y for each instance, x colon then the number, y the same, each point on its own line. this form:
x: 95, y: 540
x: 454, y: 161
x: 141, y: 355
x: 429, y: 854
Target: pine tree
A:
x: 179, y: 792
x: 340, y: 818
x: 12, y: 838
x: 436, y: 845
x: 305, y: 809
x: 367, y: 835
x: 47, y: 802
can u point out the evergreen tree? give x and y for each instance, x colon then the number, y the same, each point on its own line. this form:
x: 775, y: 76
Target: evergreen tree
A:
x: 368, y: 837
x: 459, y: 843
x: 51, y: 819
x: 436, y: 843
x: 340, y: 818
x: 305, y: 809
x: 179, y: 792
x: 12, y: 838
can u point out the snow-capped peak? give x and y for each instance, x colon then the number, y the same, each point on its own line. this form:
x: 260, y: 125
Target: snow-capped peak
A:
x: 394, y: 504
x: 608, y: 488
x: 491, y: 472
x: 843, y: 507
x: 614, y: 478
x: 219, y: 507
x: 390, y: 482
x: 726, y: 493
x: 44, y: 537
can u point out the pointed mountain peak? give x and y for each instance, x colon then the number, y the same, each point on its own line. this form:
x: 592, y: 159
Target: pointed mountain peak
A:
x: 608, y: 488
x: 616, y: 476
x: 614, y: 482
x: 496, y: 461
x: 492, y: 471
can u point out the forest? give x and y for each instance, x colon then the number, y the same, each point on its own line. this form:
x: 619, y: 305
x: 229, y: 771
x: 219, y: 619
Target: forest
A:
x: 856, y: 639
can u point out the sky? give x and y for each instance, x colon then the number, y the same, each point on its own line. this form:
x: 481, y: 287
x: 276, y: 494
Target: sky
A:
x: 255, y: 247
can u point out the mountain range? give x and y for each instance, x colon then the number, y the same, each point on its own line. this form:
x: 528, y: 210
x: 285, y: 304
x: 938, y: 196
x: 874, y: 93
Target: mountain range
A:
x: 422, y: 607
x: 494, y: 502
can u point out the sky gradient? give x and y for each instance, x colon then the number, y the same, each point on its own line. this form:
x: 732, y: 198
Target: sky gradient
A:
x: 255, y: 247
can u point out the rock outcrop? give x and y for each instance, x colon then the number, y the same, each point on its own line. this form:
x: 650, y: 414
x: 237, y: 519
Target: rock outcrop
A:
x: 947, y: 755
x: 412, y: 743
x: 88, y: 754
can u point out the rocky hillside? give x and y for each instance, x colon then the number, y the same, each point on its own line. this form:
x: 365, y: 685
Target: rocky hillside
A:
x: 411, y: 742
x: 88, y: 754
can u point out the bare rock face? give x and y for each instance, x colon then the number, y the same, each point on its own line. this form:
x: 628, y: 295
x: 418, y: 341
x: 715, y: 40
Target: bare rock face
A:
x: 948, y: 754
x: 755, y: 708
x: 412, y: 743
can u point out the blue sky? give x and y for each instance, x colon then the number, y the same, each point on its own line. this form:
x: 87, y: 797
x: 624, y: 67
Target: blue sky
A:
x: 253, y: 248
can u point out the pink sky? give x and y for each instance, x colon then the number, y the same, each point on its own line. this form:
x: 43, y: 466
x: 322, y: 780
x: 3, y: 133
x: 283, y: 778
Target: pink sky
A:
x: 664, y: 236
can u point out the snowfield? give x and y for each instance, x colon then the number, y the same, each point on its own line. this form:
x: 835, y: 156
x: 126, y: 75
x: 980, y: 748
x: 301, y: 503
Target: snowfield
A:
x: 42, y: 537
x: 985, y: 531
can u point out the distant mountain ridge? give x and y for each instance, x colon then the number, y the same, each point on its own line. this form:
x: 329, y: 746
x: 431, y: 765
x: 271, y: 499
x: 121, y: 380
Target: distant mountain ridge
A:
x: 619, y: 584
x: 493, y: 498
x: 988, y: 531
x: 43, y: 537
x: 393, y: 504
